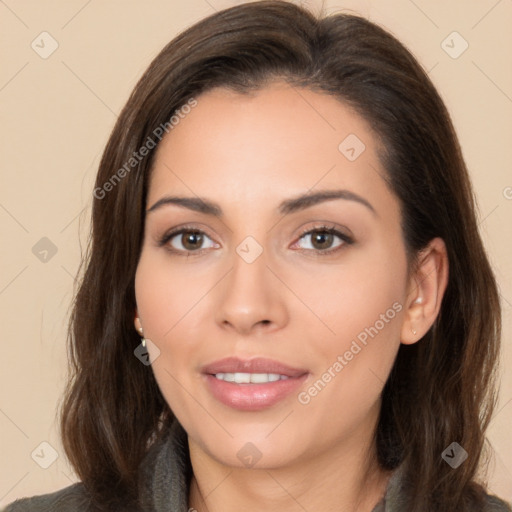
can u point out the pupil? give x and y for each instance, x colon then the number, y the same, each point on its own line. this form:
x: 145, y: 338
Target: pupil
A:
x: 192, y: 240
x: 322, y: 238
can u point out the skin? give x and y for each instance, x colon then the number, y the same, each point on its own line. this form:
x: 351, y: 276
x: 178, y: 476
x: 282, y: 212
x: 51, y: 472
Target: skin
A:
x: 248, y: 153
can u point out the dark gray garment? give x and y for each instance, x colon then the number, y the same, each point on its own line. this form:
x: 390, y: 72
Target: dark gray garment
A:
x: 164, y: 484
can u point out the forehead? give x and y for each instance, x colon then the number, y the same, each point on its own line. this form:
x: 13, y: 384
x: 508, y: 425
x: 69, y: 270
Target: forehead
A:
x: 275, y: 142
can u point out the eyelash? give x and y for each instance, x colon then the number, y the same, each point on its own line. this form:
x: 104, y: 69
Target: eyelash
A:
x: 320, y: 229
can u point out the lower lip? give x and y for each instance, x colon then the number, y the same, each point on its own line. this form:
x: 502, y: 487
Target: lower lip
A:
x: 252, y: 397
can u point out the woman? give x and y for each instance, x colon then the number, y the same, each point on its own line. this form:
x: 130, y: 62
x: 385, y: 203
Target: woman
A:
x: 283, y: 215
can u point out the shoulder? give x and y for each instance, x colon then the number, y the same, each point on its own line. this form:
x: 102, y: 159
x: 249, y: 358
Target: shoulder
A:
x: 397, y: 497
x: 68, y: 499
x: 495, y: 504
x: 164, y: 472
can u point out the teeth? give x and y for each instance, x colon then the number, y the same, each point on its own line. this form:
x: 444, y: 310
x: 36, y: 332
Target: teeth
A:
x: 250, y: 378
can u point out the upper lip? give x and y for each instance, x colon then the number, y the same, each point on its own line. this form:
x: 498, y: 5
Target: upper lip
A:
x: 256, y: 365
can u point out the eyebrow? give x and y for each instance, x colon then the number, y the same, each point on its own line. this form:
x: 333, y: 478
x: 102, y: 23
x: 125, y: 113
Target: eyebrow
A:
x: 288, y: 206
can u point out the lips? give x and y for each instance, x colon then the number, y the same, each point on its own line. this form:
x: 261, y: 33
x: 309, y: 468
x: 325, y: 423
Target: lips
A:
x: 258, y: 365
x: 252, y: 396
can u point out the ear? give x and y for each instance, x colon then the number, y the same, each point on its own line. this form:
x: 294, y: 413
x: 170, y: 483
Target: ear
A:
x: 136, y: 322
x: 426, y: 288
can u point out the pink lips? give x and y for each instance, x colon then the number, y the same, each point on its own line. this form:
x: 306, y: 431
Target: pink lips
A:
x: 252, y: 397
x: 257, y: 365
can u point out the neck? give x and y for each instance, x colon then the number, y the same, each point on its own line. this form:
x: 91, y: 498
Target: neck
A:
x: 343, y: 478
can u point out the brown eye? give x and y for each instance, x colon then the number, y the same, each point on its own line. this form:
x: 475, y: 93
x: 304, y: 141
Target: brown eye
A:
x: 191, y: 241
x: 187, y: 240
x: 324, y: 240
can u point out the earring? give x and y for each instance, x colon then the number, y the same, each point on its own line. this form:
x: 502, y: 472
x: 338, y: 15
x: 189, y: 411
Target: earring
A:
x: 414, y: 332
x: 143, y: 340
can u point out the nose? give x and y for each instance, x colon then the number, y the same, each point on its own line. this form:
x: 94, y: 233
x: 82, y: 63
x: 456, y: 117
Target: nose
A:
x: 251, y: 298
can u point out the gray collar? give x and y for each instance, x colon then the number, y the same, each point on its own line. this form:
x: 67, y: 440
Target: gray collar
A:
x: 165, y: 473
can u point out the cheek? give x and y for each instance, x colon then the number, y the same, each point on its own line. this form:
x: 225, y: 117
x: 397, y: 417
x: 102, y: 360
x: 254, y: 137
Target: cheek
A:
x: 353, y: 294
x: 167, y: 293
x: 174, y: 305
x: 165, y: 300
x: 359, y: 316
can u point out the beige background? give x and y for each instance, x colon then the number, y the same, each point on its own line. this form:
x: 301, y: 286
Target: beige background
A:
x: 58, y: 112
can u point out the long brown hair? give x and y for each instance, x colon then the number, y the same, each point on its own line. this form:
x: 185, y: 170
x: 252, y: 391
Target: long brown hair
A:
x: 440, y: 390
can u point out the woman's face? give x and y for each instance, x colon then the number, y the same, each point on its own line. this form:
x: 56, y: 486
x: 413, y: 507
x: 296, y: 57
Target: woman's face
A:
x: 255, y: 275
